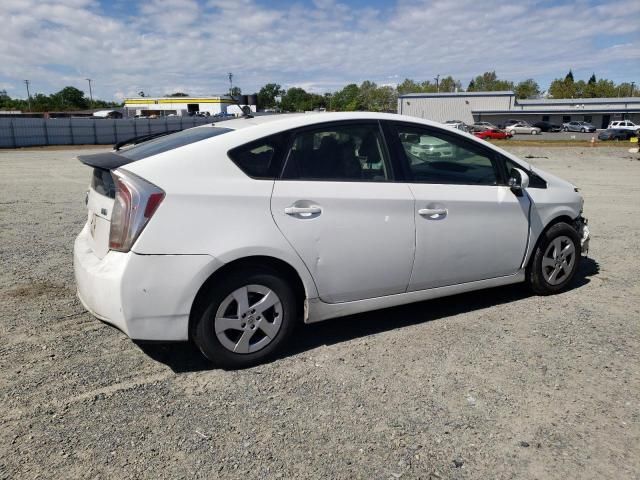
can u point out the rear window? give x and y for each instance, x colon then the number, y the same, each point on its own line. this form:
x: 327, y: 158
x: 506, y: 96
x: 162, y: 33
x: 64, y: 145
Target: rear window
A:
x: 169, y: 142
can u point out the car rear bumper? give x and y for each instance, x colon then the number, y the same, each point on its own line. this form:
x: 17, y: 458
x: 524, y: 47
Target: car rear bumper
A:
x: 148, y: 297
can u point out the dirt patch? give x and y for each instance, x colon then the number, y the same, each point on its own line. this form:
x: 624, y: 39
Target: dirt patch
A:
x: 492, y: 384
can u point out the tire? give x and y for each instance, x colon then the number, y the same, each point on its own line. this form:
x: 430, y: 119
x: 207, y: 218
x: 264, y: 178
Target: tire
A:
x: 534, y: 132
x: 584, y: 130
x: 546, y: 261
x: 257, y: 334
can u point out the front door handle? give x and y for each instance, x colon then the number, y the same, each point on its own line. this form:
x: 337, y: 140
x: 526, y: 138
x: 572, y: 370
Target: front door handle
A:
x: 311, y: 210
x: 433, y: 212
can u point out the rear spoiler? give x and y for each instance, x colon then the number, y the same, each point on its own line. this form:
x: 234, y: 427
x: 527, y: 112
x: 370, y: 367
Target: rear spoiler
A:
x: 105, y: 160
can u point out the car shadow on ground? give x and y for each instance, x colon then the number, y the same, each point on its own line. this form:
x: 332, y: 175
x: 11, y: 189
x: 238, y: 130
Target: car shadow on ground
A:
x: 185, y: 357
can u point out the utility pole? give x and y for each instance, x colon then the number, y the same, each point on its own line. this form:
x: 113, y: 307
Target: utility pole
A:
x: 26, y: 82
x: 633, y: 84
x: 437, y: 79
x: 90, y: 93
x: 231, y: 84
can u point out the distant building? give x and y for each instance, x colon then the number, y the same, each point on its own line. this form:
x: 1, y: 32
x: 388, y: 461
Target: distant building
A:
x: 497, y: 107
x: 163, y: 106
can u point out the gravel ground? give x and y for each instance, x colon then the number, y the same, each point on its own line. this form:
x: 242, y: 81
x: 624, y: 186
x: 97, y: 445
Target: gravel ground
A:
x: 492, y: 384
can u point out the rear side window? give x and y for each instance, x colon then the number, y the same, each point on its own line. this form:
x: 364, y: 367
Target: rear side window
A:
x: 169, y: 142
x: 350, y: 152
x: 260, y: 159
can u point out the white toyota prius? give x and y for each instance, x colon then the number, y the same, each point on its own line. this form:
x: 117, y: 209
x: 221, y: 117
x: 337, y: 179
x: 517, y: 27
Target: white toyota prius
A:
x: 229, y: 234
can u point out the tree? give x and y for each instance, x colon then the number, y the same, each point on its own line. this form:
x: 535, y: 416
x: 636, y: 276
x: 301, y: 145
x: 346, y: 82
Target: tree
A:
x: 488, y: 82
x: 267, y: 95
x: 177, y: 94
x: 592, y: 79
x: 72, y: 97
x: 346, y: 99
x: 235, y: 92
x: 472, y: 86
x: 527, y: 89
x: 408, y: 86
x: 561, y: 89
x: 298, y: 100
x: 569, y: 77
x: 449, y: 84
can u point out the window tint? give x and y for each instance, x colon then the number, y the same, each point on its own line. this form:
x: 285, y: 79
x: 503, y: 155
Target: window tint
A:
x: 340, y: 153
x: 434, y: 157
x: 169, y: 142
x: 260, y: 158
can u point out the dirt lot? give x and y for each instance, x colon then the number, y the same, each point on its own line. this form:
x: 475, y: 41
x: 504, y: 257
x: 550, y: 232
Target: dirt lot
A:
x: 494, y: 384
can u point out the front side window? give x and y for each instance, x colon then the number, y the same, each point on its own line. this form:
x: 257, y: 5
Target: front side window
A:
x: 352, y: 152
x: 435, y: 157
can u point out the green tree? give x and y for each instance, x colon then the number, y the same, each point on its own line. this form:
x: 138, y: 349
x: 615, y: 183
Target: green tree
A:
x: 346, y: 100
x: 408, y: 86
x: 472, y: 86
x: 527, y: 89
x: 449, y: 84
x: 569, y: 77
x: 489, y: 82
x: 177, y: 94
x: 267, y: 95
x: 235, y: 92
x: 562, y: 88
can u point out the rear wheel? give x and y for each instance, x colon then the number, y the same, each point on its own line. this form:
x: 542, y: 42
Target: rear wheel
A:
x: 555, y: 260
x: 245, y: 319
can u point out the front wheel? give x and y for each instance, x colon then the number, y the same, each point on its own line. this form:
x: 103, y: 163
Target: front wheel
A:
x: 534, y: 132
x: 245, y: 319
x: 555, y: 260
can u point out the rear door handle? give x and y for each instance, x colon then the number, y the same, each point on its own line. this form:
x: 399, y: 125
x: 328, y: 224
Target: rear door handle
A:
x: 433, y: 212
x: 311, y: 210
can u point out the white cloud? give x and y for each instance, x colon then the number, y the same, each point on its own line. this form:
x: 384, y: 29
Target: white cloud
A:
x: 321, y: 45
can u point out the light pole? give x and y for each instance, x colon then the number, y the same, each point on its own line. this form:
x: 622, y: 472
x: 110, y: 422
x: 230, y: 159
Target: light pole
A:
x: 231, y: 84
x: 633, y: 84
x: 90, y: 92
x: 26, y: 82
x: 437, y: 79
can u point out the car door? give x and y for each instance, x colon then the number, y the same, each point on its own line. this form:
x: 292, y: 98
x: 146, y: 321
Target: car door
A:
x: 337, y: 205
x: 469, y: 225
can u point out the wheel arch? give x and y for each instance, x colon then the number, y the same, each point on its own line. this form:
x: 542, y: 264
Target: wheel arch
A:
x: 277, y: 265
x: 559, y: 219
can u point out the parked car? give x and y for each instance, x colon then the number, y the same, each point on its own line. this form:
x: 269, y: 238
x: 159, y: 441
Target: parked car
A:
x: 493, y: 133
x: 522, y: 127
x: 511, y: 121
x: 482, y: 126
x: 457, y: 124
x: 547, y: 126
x: 576, y: 126
x: 228, y: 235
x: 625, y: 125
x: 616, y: 134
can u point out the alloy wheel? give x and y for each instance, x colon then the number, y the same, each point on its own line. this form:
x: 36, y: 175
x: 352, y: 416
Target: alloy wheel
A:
x: 558, y: 260
x: 248, y: 319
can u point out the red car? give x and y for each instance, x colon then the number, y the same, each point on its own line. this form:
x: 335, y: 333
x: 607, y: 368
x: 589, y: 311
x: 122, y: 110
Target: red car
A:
x: 493, y: 133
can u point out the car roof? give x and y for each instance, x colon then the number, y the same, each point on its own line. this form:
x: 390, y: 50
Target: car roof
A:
x: 279, y: 122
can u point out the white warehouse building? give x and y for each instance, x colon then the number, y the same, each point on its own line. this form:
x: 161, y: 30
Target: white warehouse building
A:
x: 497, y: 107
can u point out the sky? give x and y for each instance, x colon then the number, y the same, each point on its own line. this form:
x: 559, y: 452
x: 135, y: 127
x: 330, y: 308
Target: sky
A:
x: 165, y: 46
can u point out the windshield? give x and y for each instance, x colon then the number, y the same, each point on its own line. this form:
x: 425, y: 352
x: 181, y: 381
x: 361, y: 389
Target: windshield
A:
x: 169, y: 142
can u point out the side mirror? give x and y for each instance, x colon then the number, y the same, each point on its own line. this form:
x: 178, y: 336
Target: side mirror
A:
x: 518, y: 181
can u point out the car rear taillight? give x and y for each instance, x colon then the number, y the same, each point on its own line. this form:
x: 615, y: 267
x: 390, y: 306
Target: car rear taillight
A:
x: 135, y: 203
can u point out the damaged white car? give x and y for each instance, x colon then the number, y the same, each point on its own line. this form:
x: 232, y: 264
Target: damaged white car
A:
x: 228, y: 234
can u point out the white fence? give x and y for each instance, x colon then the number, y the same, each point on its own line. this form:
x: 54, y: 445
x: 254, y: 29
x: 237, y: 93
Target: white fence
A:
x: 28, y: 132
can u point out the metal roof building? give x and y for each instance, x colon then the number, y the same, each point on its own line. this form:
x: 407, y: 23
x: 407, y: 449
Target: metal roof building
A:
x: 162, y: 106
x: 497, y: 107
